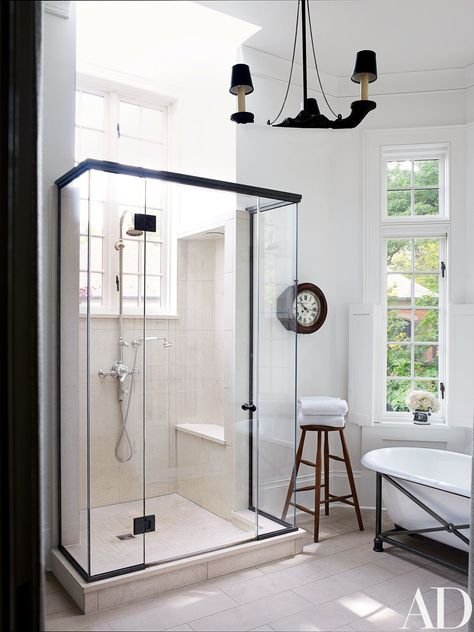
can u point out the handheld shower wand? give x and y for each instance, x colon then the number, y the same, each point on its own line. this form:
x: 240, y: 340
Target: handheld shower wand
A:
x: 119, y: 370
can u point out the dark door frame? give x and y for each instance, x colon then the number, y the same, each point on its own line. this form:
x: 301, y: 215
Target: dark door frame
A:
x: 20, y: 547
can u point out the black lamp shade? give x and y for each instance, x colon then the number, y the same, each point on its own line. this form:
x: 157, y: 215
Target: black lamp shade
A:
x: 241, y: 77
x: 366, y: 62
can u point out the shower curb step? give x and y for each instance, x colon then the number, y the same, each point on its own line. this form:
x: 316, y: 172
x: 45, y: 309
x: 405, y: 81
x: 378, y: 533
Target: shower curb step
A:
x: 115, y: 591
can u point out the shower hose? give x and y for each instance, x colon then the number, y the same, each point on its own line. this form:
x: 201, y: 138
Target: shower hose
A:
x: 124, y: 436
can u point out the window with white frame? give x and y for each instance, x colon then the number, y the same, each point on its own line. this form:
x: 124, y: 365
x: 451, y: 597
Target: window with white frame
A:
x: 414, y: 233
x: 414, y: 183
x: 112, y: 127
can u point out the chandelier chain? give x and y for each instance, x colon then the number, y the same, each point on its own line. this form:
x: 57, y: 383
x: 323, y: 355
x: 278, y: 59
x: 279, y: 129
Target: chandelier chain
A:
x: 291, y: 69
x: 316, y: 62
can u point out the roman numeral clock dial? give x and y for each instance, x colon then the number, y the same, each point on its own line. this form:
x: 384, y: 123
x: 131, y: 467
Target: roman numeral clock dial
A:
x: 307, y: 308
x: 305, y: 312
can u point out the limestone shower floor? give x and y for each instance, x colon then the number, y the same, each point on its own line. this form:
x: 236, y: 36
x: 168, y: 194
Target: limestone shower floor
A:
x: 182, y: 528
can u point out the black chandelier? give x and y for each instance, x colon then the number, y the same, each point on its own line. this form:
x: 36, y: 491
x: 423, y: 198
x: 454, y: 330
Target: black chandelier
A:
x: 365, y: 72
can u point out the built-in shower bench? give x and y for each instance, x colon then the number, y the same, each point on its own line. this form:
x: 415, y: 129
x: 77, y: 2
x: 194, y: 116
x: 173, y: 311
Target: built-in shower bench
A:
x: 211, y: 432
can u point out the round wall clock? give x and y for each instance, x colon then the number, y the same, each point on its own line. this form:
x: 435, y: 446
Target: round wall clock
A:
x: 305, y: 312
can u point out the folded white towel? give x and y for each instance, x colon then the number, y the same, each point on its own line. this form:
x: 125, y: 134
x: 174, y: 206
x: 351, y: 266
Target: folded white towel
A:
x: 322, y: 406
x: 335, y: 421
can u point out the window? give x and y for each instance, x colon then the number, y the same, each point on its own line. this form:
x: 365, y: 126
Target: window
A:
x: 414, y: 183
x: 112, y: 127
x: 414, y: 247
x: 414, y: 318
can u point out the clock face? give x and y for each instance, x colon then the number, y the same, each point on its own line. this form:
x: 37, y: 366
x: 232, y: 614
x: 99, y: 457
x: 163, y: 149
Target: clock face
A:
x: 308, y: 308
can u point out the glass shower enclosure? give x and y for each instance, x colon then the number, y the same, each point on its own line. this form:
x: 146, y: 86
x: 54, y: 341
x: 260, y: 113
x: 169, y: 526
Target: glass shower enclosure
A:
x: 176, y: 365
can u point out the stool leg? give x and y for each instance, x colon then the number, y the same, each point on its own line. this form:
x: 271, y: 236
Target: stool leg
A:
x: 326, y: 473
x: 294, y: 474
x: 350, y: 476
x: 317, y: 489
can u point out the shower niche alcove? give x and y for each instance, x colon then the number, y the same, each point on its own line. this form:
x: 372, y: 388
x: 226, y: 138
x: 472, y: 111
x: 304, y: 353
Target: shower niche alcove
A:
x: 176, y: 377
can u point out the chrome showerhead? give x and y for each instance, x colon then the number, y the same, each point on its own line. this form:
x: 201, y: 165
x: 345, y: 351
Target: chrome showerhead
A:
x: 133, y: 232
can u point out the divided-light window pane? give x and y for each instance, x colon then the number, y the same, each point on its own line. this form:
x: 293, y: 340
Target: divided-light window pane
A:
x: 129, y: 151
x: 152, y: 123
x: 426, y: 325
x: 130, y: 286
x: 90, y: 126
x: 398, y: 325
x: 398, y: 203
x: 153, y: 288
x: 397, y: 391
x: 129, y: 117
x: 399, y: 174
x: 92, y: 111
x: 89, y: 144
x: 94, y: 290
x: 96, y: 217
x: 130, y: 256
x: 427, y: 202
x: 426, y: 173
x: 141, y: 136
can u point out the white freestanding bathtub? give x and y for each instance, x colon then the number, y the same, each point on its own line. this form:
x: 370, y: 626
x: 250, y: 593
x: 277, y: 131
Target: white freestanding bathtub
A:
x: 441, y: 480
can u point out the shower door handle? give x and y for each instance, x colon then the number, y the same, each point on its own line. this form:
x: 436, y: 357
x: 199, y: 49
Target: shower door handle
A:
x: 250, y: 407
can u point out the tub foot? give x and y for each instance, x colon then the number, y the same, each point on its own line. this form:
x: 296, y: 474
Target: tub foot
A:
x: 378, y: 545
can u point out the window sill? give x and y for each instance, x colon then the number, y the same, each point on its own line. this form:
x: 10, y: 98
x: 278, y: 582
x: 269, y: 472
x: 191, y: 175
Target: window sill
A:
x: 404, y: 424
x: 415, y: 219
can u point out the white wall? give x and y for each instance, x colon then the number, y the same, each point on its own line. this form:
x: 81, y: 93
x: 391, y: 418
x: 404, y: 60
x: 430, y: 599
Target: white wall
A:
x: 327, y: 168
x: 470, y: 206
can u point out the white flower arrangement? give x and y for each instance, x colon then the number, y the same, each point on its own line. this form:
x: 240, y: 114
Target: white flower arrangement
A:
x: 422, y: 400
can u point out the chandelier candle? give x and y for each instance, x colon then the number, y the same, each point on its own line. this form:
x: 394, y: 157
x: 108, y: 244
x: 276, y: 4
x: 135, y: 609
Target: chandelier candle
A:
x: 240, y: 85
x: 365, y: 71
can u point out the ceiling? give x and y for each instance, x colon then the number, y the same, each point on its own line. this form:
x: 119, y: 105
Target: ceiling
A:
x: 408, y: 35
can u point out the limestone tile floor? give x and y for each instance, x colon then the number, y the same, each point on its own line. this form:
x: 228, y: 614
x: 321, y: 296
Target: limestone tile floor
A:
x: 336, y: 584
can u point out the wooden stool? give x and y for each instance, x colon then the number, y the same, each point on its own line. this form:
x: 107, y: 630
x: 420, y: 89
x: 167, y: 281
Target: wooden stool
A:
x: 328, y: 497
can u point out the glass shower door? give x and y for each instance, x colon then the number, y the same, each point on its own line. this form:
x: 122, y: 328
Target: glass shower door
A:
x: 115, y: 327
x: 274, y: 361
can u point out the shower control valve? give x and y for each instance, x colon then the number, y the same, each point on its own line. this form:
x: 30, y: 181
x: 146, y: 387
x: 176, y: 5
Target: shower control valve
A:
x: 122, y: 371
x: 118, y: 369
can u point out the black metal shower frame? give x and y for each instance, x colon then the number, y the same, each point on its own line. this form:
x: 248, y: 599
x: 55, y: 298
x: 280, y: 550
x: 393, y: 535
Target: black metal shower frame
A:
x: 279, y: 199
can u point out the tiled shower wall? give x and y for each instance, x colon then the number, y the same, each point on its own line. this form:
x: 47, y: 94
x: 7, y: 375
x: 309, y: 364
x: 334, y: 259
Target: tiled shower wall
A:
x: 184, y: 382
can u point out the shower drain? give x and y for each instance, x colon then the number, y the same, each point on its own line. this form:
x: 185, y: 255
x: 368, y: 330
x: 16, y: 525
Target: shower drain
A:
x: 126, y: 536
